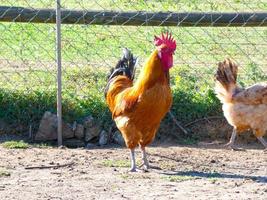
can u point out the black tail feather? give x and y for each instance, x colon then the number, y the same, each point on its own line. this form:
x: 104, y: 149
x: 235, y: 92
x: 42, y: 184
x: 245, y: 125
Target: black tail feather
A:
x: 126, y: 66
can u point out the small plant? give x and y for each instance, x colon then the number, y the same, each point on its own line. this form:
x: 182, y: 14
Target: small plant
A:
x: 116, y: 163
x: 16, y: 145
x: 213, y: 175
x: 193, y: 95
x: 178, y: 178
x: 189, y: 141
x: 127, y: 176
x: 43, y: 145
x: 4, y: 173
x: 213, y: 180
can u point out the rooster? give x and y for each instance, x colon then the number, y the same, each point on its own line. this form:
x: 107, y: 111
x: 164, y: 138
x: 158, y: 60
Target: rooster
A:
x: 138, y: 107
x: 244, y: 108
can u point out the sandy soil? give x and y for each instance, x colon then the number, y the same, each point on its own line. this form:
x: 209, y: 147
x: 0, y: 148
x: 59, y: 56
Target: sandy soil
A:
x: 194, y: 172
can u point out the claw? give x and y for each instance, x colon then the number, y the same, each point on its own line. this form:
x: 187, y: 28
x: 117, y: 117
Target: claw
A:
x: 133, y: 170
x: 145, y: 168
x: 230, y: 146
x: 145, y: 163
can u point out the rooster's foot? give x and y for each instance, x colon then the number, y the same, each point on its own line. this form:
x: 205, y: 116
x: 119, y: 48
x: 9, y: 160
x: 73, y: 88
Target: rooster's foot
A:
x: 136, y: 170
x: 133, y: 170
x: 229, y: 146
x: 144, y: 167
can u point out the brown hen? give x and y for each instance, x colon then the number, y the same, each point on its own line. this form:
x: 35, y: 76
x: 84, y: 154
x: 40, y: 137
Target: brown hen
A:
x: 244, y: 108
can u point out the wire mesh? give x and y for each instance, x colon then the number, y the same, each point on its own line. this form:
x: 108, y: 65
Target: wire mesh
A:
x: 28, y: 70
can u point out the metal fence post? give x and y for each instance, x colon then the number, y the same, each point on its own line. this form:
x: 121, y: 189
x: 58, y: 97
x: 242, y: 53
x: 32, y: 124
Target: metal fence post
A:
x: 59, y: 72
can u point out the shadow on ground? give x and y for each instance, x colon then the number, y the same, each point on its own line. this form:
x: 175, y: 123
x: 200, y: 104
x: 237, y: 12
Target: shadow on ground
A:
x: 197, y: 174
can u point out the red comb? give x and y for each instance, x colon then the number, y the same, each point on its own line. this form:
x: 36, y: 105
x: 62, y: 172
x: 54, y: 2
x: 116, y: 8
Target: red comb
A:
x: 167, y: 39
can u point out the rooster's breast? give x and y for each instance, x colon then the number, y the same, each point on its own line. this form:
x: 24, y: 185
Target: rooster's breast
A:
x: 151, y: 107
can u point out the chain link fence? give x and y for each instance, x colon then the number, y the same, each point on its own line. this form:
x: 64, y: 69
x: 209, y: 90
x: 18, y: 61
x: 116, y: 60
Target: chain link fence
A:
x: 28, y: 67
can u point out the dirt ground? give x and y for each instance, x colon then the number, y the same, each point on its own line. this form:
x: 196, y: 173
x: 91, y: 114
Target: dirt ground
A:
x: 180, y: 172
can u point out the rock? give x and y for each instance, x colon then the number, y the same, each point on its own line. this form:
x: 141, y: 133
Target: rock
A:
x: 92, y: 129
x: 103, y: 138
x: 79, y: 131
x: 91, y: 133
x: 88, y: 122
x: 48, y: 128
x: 74, y: 143
x: 118, y: 139
x: 67, y: 131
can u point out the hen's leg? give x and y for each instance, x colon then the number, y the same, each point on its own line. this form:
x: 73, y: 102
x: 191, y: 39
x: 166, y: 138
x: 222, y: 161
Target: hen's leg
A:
x: 230, y: 144
x: 263, y: 142
x: 144, y: 159
x: 259, y: 134
x: 133, y: 163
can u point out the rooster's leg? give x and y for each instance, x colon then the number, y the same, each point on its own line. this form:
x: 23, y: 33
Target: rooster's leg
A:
x: 144, y: 159
x: 263, y: 142
x: 230, y: 144
x: 133, y: 164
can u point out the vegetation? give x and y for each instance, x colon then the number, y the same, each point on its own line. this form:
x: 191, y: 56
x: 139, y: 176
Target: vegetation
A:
x: 178, y: 178
x: 4, y: 173
x: 116, y: 163
x: 15, y: 145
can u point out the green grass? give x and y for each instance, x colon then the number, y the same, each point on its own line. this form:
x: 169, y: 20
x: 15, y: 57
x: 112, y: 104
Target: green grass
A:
x: 119, y: 163
x: 116, y: 163
x: 24, y: 145
x: 43, y: 145
x: 131, y: 176
x: 4, y: 173
x: 178, y: 178
x: 189, y: 141
x: 28, y: 70
x: 211, y: 176
x: 16, y: 145
x: 213, y: 180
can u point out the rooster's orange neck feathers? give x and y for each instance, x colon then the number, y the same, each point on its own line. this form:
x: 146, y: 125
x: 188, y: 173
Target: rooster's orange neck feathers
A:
x: 152, y: 72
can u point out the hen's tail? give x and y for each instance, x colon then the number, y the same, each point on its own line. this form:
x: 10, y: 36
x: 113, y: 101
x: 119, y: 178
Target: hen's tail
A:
x: 226, y: 80
x: 126, y: 67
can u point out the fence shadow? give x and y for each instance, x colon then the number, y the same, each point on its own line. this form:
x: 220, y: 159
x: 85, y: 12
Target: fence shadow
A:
x: 198, y: 174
